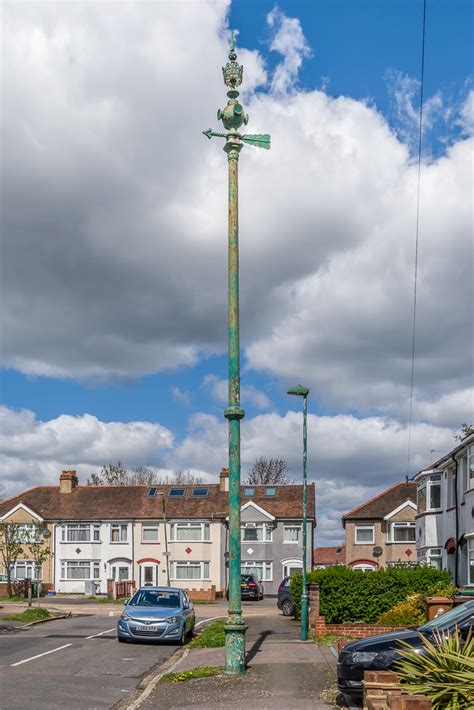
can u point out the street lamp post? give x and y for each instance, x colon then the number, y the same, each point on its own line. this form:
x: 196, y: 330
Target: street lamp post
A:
x: 166, y: 553
x: 233, y: 117
x: 301, y: 391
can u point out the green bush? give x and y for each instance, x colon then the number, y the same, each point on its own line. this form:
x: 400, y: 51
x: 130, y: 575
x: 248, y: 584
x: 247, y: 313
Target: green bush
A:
x: 412, y: 610
x: 348, y: 595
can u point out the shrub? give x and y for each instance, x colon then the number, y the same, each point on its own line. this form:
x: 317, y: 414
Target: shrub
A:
x: 444, y: 672
x: 348, y: 595
x: 412, y: 611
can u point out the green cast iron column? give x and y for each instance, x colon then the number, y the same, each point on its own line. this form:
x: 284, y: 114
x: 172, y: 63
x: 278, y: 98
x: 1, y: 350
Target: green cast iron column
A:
x: 233, y: 117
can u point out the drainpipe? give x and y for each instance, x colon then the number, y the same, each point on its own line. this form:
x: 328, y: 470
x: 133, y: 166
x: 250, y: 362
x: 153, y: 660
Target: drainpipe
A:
x: 456, y: 503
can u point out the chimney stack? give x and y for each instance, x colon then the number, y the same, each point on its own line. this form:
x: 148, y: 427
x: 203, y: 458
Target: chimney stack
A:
x: 67, y: 481
x: 224, y: 479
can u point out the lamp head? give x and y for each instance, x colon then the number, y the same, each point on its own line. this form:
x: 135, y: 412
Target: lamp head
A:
x: 299, y: 390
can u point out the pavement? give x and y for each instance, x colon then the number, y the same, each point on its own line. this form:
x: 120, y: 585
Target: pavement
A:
x: 283, y: 672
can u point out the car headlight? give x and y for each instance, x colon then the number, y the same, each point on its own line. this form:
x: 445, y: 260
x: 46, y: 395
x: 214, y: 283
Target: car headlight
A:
x: 362, y: 656
x: 125, y: 616
x: 172, y: 619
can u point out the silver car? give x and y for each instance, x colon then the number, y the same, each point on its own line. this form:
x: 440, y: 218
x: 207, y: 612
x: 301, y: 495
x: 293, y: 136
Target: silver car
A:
x: 157, y: 614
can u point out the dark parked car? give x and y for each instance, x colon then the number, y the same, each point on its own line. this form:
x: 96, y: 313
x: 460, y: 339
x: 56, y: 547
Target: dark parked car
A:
x: 157, y: 614
x: 284, y: 601
x: 251, y: 587
x: 380, y: 653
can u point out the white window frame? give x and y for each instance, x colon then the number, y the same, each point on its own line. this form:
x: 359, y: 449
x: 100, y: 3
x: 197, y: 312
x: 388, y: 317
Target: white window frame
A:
x: 288, y: 564
x: 183, y: 526
x: 25, y: 533
x: 204, y: 570
x: 122, y: 529
x: 434, y: 554
x: 364, y: 567
x: 93, y: 569
x: 470, y: 560
x: 251, y: 565
x: 401, y: 525
x: 292, y: 526
x: 115, y: 570
x: 450, y: 488
x: 470, y: 467
x: 363, y: 526
x: 267, y: 532
x: 150, y: 526
x: 434, y: 480
x: 92, y: 529
x: 463, y: 477
x: 31, y: 571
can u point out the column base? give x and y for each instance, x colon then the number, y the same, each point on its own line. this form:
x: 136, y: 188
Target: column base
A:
x: 235, y: 646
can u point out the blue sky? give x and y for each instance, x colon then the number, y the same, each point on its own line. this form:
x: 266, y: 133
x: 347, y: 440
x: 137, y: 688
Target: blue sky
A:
x: 114, y: 267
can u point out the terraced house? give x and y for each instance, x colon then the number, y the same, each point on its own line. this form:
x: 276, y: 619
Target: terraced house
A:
x: 159, y: 534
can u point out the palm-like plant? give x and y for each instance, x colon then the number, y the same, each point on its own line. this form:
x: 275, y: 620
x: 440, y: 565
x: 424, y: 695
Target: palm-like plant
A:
x: 444, y: 672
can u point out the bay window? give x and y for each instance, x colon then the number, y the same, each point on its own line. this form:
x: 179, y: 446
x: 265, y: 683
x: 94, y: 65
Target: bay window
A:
x: 257, y: 532
x: 80, y: 532
x: 402, y: 532
x: 263, y: 570
x: 80, y: 569
x: 26, y: 569
x: 470, y: 466
x: 470, y: 561
x: 190, y: 570
x: 451, y: 490
x: 434, y: 491
x: 190, y: 532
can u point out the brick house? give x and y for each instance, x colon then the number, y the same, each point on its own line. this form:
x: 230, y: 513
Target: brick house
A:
x: 329, y: 556
x: 381, y: 532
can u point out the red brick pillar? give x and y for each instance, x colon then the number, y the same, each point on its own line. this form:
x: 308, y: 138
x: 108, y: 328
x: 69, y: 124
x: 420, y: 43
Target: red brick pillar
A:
x: 313, y: 598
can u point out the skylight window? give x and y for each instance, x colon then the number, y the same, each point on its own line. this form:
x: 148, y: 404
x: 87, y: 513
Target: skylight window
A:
x: 151, y: 492
x: 270, y: 491
x: 249, y: 491
x: 176, y: 492
x: 200, y: 491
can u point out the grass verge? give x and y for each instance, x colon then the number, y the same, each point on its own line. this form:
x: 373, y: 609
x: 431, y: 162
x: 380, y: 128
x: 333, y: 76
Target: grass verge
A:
x: 212, y: 636
x: 202, y: 672
x: 12, y: 599
x: 35, y: 614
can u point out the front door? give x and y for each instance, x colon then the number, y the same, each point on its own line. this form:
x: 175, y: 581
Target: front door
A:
x: 148, y: 575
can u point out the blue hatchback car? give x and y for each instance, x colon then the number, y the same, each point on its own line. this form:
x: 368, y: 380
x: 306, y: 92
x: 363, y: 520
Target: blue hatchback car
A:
x: 157, y: 614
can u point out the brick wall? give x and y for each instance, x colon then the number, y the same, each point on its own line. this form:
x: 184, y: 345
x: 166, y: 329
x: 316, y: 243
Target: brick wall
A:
x: 382, y: 691
x: 205, y: 595
x: 351, y: 630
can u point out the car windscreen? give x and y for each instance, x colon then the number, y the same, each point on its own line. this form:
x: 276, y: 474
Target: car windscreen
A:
x: 246, y: 578
x: 459, y: 616
x: 153, y: 597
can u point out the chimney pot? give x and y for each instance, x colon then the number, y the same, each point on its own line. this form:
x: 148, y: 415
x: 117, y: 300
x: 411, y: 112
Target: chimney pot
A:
x: 224, y: 479
x: 67, y: 481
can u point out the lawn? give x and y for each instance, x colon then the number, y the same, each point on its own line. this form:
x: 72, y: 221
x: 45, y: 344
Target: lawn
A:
x: 212, y: 636
x: 33, y: 614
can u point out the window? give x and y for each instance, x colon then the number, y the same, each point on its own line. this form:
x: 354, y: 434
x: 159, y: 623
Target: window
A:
x: 451, y: 492
x: 120, y: 571
x: 190, y: 532
x: 290, y: 567
x: 434, y: 491
x: 249, y: 491
x: 364, y: 534
x: 470, y: 455
x: 257, y: 532
x: 80, y: 532
x: 421, y: 496
x: 402, y: 532
x: 364, y: 567
x: 270, y: 491
x: 176, y: 492
x: 151, y: 492
x: 28, y: 532
x: 263, y: 570
x: 200, y: 491
x: 463, y: 474
x: 190, y: 570
x: 150, y: 532
x: 118, y: 532
x: 470, y: 561
x: 80, y: 569
x: 291, y: 533
x: 25, y: 569
x: 434, y: 557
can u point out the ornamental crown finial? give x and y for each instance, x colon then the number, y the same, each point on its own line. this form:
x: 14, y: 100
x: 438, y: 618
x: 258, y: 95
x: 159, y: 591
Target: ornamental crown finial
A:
x: 232, y: 71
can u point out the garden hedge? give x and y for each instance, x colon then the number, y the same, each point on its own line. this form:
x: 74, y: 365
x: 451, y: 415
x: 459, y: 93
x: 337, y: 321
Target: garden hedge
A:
x: 348, y: 595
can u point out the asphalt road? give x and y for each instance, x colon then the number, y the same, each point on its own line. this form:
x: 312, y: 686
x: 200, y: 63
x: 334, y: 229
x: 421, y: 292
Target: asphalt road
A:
x: 77, y: 663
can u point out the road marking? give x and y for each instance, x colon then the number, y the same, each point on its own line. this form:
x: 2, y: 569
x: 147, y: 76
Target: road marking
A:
x: 32, y: 658
x: 101, y: 633
x: 204, y: 621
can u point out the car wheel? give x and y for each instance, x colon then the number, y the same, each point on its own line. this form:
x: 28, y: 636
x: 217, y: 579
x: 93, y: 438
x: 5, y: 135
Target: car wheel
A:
x: 287, y: 607
x: 182, y: 638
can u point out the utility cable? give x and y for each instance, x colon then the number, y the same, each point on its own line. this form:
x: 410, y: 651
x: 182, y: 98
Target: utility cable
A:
x: 420, y: 139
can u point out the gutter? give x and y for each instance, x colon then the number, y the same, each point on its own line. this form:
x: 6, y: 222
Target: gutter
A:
x: 456, y: 503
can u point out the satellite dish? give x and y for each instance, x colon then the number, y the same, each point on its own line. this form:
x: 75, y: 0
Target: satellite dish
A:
x: 377, y: 551
x: 46, y: 533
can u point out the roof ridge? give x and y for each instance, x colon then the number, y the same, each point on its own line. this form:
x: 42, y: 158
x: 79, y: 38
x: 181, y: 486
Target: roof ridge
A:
x: 379, y: 495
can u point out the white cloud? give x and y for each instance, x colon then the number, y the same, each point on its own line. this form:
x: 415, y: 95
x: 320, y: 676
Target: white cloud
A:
x: 218, y: 389
x: 288, y: 40
x: 181, y: 396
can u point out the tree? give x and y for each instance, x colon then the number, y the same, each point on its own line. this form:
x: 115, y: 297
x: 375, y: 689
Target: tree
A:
x: 11, y: 548
x: 118, y: 475
x: 38, y: 551
x: 268, y: 471
x: 466, y: 429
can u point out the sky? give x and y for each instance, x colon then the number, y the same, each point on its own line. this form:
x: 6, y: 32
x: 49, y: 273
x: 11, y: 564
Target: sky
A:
x: 114, y: 229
